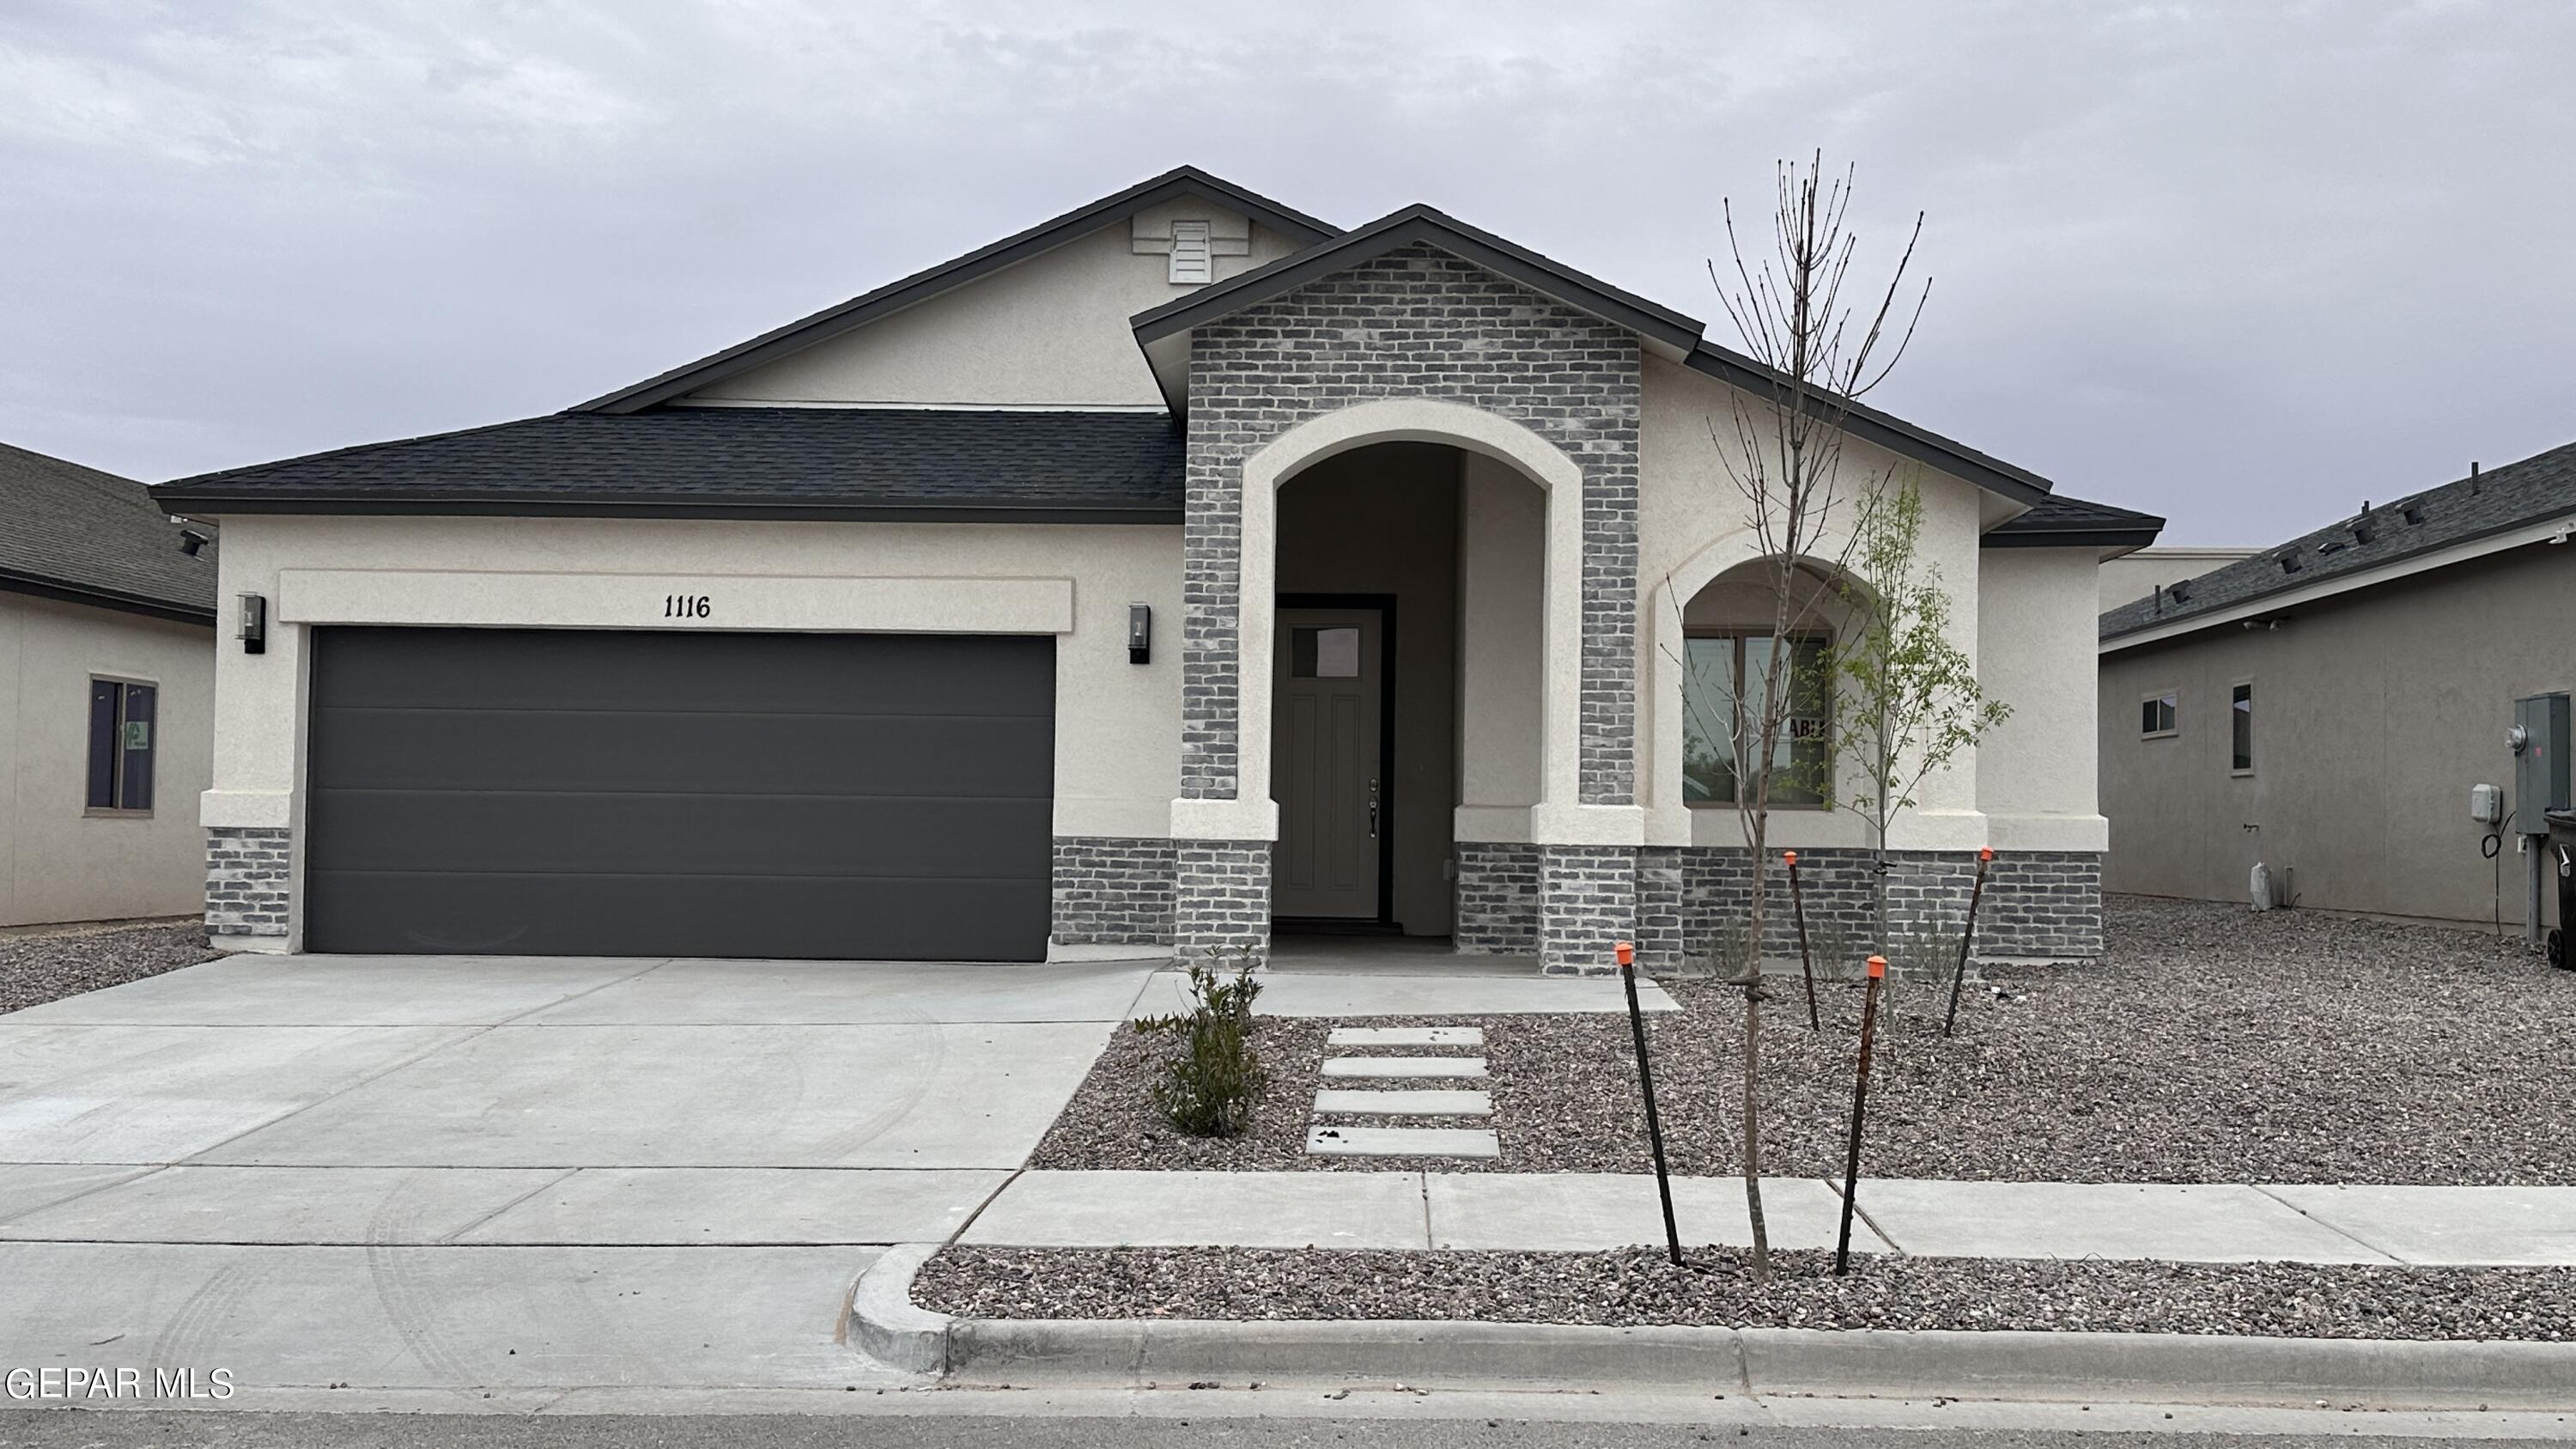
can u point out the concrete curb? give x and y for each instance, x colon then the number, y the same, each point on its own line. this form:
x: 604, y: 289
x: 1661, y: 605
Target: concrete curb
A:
x: 2200, y: 1368
x: 883, y: 1321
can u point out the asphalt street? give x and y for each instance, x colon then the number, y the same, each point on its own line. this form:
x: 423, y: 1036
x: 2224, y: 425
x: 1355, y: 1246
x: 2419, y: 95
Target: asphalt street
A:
x: 1165, y: 1425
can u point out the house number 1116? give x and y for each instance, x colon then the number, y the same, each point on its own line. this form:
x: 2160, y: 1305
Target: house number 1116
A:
x: 687, y: 606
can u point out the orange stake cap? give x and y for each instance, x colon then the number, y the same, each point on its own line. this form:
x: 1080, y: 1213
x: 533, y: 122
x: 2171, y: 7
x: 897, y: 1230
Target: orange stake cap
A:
x: 1790, y: 856
x: 1987, y: 853
x: 1627, y: 953
x: 1877, y: 967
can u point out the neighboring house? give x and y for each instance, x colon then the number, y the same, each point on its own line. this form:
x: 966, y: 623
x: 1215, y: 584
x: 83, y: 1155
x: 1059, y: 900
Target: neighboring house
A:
x: 2136, y: 575
x: 2325, y: 706
x: 107, y: 691
x: 1181, y: 564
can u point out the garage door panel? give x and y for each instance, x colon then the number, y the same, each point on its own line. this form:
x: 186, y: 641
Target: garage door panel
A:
x: 577, y: 669
x: 690, y: 793
x: 685, y: 753
x: 684, y: 834
x: 790, y: 919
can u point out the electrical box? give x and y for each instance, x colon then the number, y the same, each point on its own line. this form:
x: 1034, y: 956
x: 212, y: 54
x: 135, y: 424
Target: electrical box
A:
x: 2540, y: 758
x: 2486, y: 804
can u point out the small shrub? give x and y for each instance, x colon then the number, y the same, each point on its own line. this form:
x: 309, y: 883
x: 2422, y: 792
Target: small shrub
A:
x: 1210, y: 1085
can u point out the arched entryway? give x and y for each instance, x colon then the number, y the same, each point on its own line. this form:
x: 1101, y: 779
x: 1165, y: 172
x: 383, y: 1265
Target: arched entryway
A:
x: 1433, y: 551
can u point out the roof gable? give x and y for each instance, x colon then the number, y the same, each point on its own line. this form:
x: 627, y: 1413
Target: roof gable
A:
x: 921, y: 286
x: 1164, y: 331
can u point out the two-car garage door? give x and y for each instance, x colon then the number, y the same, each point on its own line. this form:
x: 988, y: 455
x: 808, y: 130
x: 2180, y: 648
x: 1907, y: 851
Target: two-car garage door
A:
x: 556, y: 792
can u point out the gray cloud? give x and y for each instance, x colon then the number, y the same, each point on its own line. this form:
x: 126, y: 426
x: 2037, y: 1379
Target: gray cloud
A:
x: 2242, y: 264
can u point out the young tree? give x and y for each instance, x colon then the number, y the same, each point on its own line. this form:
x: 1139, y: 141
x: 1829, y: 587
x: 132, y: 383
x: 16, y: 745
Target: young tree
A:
x: 1910, y: 697
x: 1810, y: 356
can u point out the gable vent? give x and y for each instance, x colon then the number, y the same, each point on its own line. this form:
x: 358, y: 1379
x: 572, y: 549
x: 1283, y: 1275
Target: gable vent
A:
x: 1193, y: 256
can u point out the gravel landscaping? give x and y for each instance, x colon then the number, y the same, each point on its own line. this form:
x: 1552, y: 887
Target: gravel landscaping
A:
x: 2208, y: 1045
x: 1639, y: 1287
x: 38, y: 969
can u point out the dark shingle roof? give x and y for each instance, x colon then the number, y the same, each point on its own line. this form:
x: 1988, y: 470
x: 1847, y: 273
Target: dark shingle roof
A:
x: 75, y: 532
x: 911, y: 463
x: 2537, y: 489
x: 2060, y: 522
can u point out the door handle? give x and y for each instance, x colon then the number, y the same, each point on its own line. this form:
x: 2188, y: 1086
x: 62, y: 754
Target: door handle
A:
x: 1372, y: 809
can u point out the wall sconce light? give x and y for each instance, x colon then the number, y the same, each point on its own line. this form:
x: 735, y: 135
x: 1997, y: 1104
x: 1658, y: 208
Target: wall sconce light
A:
x: 1140, y: 633
x: 253, y: 628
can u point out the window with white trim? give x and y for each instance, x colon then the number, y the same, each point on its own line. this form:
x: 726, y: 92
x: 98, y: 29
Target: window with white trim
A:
x: 2241, y: 711
x: 2160, y: 716
x: 121, y: 717
x: 1722, y: 692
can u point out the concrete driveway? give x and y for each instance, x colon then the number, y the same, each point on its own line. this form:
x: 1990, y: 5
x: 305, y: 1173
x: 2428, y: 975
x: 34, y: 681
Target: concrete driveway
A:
x: 383, y: 1180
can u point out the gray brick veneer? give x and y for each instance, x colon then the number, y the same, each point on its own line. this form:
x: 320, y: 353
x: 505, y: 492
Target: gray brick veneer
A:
x: 1222, y: 896
x: 1414, y: 323
x: 2036, y: 904
x: 1496, y: 906
x: 1661, y: 943
x: 2042, y: 903
x: 1587, y: 905
x: 250, y: 880
x: 1113, y: 890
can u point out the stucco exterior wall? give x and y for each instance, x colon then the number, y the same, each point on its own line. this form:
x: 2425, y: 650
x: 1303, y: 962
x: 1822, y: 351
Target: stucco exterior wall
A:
x: 2035, y: 639
x: 1693, y: 527
x: 1117, y: 724
x: 1051, y: 330
x: 2374, y: 714
x: 57, y: 861
x: 1502, y: 597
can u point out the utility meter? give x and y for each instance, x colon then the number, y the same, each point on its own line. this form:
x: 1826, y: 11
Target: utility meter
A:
x: 2539, y: 737
x: 2486, y: 804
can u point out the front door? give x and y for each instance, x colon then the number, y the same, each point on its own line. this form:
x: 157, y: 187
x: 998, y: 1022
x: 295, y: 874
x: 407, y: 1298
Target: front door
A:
x: 1326, y: 770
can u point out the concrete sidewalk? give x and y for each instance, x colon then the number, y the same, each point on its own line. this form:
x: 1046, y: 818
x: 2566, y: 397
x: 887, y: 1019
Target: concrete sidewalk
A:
x: 1583, y: 1212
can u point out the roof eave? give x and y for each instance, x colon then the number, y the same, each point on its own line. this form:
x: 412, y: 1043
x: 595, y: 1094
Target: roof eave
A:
x: 1892, y: 433
x: 2294, y: 590
x: 2110, y: 542
x: 66, y: 592
x: 415, y: 503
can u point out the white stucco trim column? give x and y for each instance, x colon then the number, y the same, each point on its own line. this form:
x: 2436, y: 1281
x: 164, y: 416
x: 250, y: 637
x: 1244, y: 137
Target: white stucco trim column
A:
x: 1252, y: 815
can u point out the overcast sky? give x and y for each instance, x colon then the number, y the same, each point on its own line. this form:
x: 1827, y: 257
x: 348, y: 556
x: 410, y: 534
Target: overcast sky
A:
x: 2240, y: 264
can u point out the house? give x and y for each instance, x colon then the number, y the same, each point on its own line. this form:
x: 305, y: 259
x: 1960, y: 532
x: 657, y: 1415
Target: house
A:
x: 1181, y: 565
x: 2325, y: 707
x: 2136, y: 575
x: 107, y: 690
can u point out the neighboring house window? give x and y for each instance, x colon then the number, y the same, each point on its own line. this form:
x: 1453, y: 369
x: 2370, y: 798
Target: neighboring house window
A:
x: 2243, y: 712
x: 1722, y: 718
x: 2158, y: 716
x: 1193, y: 255
x: 121, y: 721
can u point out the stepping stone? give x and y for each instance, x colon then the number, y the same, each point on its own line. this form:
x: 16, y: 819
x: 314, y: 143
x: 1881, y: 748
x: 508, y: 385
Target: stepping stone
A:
x: 1407, y: 1104
x: 1401, y: 1142
x: 1387, y: 1036
x: 1404, y: 1066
